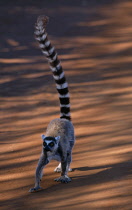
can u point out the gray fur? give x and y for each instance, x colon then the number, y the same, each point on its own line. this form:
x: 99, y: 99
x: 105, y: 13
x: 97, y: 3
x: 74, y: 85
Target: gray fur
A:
x: 64, y: 129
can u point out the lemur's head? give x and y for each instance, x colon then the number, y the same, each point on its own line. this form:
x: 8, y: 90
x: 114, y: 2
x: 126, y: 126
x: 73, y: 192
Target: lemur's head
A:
x: 50, y: 144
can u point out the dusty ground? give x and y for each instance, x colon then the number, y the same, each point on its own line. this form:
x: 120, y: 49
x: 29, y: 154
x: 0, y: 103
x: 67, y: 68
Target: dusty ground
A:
x: 94, y: 40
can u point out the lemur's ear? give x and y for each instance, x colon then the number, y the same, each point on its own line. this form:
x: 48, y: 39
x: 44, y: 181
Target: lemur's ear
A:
x: 43, y: 137
x: 57, y: 138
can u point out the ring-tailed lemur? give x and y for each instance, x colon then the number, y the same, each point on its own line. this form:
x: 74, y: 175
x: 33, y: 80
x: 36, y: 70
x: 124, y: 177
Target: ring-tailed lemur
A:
x: 59, y: 138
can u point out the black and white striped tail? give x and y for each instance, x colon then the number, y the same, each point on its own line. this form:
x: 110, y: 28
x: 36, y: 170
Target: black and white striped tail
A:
x: 55, y: 66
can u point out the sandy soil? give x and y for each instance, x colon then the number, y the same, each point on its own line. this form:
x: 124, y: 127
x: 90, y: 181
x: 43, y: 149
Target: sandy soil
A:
x: 93, y: 39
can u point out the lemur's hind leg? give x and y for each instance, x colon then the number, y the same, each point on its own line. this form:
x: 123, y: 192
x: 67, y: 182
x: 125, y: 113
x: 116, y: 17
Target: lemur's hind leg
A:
x: 43, y: 161
x: 58, y: 169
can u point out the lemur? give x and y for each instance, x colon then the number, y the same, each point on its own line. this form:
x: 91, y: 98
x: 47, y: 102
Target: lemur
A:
x: 59, y: 139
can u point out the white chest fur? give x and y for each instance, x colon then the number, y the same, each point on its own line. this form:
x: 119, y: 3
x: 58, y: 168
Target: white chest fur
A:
x: 53, y: 157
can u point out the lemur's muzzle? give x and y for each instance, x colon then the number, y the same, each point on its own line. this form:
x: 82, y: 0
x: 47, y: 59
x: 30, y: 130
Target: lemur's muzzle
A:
x: 47, y: 149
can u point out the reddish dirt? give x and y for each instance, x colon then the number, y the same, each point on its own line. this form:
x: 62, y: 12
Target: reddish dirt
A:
x: 94, y: 42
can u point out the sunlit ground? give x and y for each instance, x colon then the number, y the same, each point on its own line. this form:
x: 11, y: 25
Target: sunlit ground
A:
x: 95, y: 46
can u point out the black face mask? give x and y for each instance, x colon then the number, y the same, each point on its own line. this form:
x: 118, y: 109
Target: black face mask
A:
x: 48, y: 147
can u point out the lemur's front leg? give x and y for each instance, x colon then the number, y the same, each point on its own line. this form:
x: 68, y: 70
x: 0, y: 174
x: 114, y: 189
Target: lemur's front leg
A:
x: 43, y: 161
x: 64, y: 177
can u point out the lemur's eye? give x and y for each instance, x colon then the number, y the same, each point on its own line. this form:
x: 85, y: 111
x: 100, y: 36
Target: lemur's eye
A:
x: 51, y: 144
x: 44, y: 144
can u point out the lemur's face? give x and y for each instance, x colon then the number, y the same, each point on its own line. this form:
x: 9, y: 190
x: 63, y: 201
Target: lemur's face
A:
x: 50, y: 144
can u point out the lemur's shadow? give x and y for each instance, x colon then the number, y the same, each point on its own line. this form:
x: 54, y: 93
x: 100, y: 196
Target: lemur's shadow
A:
x: 86, y: 168
x: 107, y: 174
x: 124, y: 165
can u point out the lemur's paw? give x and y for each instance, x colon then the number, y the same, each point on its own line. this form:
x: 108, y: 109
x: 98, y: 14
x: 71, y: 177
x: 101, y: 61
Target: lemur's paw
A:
x: 63, y: 179
x: 57, y: 169
x: 35, y: 189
